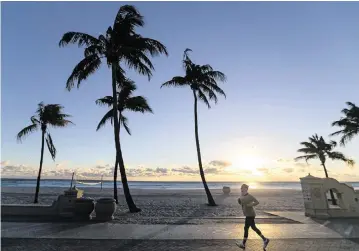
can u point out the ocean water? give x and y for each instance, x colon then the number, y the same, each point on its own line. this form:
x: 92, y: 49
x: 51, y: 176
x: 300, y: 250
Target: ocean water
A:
x: 155, y: 185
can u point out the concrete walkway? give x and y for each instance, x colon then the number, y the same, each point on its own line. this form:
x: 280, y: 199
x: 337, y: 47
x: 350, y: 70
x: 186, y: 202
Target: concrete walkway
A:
x: 176, y: 245
x: 300, y: 234
x: 171, y: 232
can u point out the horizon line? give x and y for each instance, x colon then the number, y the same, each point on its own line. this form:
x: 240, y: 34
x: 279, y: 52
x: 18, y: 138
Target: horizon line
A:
x: 106, y: 180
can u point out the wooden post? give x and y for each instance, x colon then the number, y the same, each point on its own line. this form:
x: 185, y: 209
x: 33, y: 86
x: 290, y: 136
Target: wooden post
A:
x: 72, y: 180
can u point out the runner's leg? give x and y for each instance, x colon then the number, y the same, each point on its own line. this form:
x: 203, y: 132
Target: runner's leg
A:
x: 254, y: 227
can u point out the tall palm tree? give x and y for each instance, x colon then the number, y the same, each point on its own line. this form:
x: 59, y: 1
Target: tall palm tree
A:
x: 203, y: 81
x: 317, y: 148
x: 46, y: 115
x: 125, y: 102
x: 349, y: 123
x: 120, y: 46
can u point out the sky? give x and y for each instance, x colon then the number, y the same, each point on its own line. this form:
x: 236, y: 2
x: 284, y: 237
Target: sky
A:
x: 291, y: 66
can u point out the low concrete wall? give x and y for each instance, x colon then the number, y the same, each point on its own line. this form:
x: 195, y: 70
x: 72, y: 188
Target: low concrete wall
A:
x: 64, y: 206
x: 28, y: 210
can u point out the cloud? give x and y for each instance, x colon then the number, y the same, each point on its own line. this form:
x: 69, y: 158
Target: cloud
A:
x: 263, y: 170
x: 147, y: 172
x: 59, y: 165
x: 288, y: 170
x: 185, y: 170
x: 5, y: 163
x: 134, y: 172
x: 219, y: 163
x: 301, y: 165
x: 62, y: 173
x: 161, y: 170
x: 19, y: 170
x: 284, y: 160
x: 103, y: 166
x: 216, y: 167
x: 211, y: 170
x: 348, y: 175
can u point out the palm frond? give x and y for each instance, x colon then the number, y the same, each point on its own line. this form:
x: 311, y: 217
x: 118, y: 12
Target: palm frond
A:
x: 349, y: 124
x: 317, y: 147
x: 209, y: 92
x: 348, y: 136
x: 40, y: 109
x: 26, y: 131
x: 350, y: 129
x: 306, y: 157
x: 94, y: 50
x: 203, y: 98
x: 137, y: 104
x: 60, y: 122
x: 127, y: 87
x: 308, y: 145
x: 187, y: 62
x: 333, y: 143
x: 176, y: 82
x: 351, y: 105
x: 185, y: 53
x: 215, y: 88
x: 83, y: 70
x: 127, y: 19
x: 51, y: 146
x: 124, y: 123
x: 216, y: 75
x: 140, y: 63
x: 148, y: 45
x: 34, y: 120
x: 316, y: 141
x: 78, y: 38
x: 106, y: 117
x: 124, y: 82
x: 308, y: 150
x: 351, y: 162
x: 340, y: 156
x: 52, y: 115
x: 105, y: 101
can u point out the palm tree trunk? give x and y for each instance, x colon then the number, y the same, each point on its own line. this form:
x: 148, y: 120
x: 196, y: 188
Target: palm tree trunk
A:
x: 40, y: 168
x: 115, y: 196
x: 334, y: 202
x: 119, y: 160
x: 211, y: 201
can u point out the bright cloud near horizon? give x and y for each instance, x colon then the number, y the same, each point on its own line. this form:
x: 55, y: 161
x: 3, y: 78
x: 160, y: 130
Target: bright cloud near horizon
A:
x: 291, y: 66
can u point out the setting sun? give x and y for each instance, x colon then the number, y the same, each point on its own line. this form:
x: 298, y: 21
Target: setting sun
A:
x: 248, y: 162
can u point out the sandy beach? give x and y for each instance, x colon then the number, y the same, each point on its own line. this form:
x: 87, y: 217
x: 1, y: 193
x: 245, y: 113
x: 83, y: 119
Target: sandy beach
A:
x: 169, y: 206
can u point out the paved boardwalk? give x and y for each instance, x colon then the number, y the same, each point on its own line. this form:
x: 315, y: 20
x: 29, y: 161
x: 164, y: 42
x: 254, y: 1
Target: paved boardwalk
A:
x: 175, y: 245
x: 175, y: 232
x: 298, y: 233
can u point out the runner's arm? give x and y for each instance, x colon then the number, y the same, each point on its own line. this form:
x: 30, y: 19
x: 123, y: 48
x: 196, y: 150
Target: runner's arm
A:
x: 254, y: 202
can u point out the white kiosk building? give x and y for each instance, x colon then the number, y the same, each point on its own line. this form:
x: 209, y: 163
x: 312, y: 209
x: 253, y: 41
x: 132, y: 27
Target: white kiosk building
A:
x: 315, y: 192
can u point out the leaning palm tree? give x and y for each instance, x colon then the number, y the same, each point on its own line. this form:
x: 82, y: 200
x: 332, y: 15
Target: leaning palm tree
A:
x: 349, y: 123
x: 126, y: 102
x: 119, y: 46
x: 317, y: 148
x: 46, y: 115
x: 203, y: 81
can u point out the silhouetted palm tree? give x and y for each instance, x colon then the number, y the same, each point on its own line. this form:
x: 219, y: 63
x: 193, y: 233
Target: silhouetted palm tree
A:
x: 119, y: 44
x: 317, y: 148
x: 349, y: 123
x: 125, y: 102
x: 202, y: 80
x: 46, y: 115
